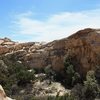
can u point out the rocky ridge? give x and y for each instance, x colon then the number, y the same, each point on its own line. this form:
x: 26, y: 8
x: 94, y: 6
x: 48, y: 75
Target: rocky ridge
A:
x: 83, y: 46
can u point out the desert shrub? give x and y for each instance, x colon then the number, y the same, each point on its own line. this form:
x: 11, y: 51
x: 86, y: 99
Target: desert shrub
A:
x: 87, y: 91
x: 50, y: 98
x: 50, y: 72
x: 91, y: 88
x: 72, y: 77
x: 19, y: 72
x: 97, y: 74
x: 24, y: 77
x: 39, y: 70
x: 15, y: 74
x: 77, y: 92
x: 63, y: 97
x: 69, y: 75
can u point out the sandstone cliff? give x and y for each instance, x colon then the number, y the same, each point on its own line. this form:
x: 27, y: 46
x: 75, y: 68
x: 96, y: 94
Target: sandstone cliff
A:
x: 83, y: 46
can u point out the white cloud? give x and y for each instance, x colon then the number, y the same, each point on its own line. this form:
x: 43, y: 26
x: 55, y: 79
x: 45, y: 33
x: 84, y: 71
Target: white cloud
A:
x: 56, y: 26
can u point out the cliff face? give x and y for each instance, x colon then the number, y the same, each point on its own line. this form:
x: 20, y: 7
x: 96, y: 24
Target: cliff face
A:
x: 83, y: 46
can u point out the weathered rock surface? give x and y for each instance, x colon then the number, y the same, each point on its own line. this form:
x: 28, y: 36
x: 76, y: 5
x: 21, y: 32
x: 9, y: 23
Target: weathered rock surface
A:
x: 83, y: 46
x: 3, y: 94
x: 45, y: 89
x: 42, y: 87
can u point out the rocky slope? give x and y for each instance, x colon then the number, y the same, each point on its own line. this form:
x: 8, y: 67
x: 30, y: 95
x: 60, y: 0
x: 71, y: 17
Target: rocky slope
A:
x: 83, y: 46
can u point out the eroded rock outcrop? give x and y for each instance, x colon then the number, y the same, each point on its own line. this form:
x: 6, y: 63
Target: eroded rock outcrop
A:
x: 83, y: 46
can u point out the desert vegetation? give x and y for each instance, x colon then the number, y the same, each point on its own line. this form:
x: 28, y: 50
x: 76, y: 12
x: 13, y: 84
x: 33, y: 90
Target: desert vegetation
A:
x: 15, y: 76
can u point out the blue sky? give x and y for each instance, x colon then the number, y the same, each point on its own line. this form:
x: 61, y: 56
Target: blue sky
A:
x: 46, y: 20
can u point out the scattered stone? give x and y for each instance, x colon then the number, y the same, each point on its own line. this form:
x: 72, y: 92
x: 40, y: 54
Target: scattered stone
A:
x: 43, y: 88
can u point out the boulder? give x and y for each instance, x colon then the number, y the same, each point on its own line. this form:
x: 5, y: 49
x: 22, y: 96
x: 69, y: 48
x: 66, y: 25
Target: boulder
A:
x: 3, y: 95
x: 1, y: 41
x: 4, y: 50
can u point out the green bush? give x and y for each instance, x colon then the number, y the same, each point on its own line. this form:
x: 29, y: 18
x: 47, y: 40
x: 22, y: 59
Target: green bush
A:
x: 87, y: 91
x: 24, y: 77
x: 50, y: 72
x: 15, y: 74
x: 72, y: 77
x: 20, y: 73
x: 91, y: 88
x: 64, y: 97
x: 97, y: 74
x: 77, y: 92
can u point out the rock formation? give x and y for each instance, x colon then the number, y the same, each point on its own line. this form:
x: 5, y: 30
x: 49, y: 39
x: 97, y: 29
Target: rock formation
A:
x: 3, y: 94
x: 83, y: 46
